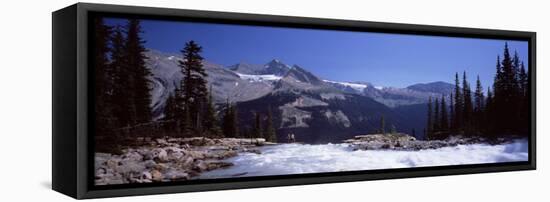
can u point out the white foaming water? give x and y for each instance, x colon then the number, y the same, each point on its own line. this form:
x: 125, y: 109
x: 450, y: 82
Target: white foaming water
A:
x: 297, y: 159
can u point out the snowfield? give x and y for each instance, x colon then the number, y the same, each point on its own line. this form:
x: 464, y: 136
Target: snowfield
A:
x: 259, y: 78
x: 296, y: 159
x: 356, y: 86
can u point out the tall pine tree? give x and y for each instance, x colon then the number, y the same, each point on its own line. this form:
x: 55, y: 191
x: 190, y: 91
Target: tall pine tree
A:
x: 270, y: 133
x: 139, y: 79
x: 429, y: 122
x: 436, y: 118
x: 467, y: 113
x: 210, y: 121
x: 444, y: 117
x: 258, y: 131
x: 382, y: 125
x: 193, y: 85
x: 458, y: 106
x: 103, y: 74
x: 122, y: 77
x: 479, y: 107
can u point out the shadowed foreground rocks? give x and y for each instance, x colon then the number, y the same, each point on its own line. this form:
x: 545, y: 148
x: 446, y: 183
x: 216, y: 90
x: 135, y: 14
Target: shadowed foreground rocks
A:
x: 170, y: 159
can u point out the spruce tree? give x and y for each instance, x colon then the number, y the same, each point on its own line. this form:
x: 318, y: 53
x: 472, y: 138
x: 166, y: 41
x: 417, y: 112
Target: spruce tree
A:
x: 210, y: 121
x: 103, y: 75
x: 523, y: 80
x: 524, y: 100
x: 170, y: 114
x: 382, y: 125
x: 444, y: 117
x: 122, y: 77
x: 451, y: 112
x: 458, y: 105
x: 230, y: 122
x: 139, y: 79
x: 193, y: 84
x: 436, y: 119
x: 270, y: 133
x: 488, y: 115
x: 257, y: 133
x: 467, y: 113
x: 507, y: 95
x: 170, y: 108
x: 429, y: 122
x: 479, y: 106
x: 479, y: 97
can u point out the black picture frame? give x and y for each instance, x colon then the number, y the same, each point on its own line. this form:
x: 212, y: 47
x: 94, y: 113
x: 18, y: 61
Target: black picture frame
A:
x: 72, y: 98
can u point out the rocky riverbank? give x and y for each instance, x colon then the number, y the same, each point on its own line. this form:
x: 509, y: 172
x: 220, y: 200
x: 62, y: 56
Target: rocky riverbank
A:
x: 170, y: 159
x: 404, y: 142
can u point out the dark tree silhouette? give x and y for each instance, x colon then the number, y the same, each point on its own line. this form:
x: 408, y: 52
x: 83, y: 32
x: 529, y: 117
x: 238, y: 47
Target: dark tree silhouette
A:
x: 270, y: 133
x: 210, y: 121
x: 382, y: 125
x: 193, y: 85
x: 444, y: 117
x: 103, y: 79
x: 139, y: 79
x: 429, y: 122
x: 257, y: 132
x: 458, y: 106
x: 467, y: 113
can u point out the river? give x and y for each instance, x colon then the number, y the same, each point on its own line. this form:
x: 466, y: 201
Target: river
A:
x: 286, y: 159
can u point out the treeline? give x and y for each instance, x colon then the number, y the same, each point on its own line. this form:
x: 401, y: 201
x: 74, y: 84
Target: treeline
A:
x: 504, y: 110
x: 123, y: 93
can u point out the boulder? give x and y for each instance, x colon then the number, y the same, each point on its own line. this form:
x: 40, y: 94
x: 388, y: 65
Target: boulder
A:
x: 156, y: 176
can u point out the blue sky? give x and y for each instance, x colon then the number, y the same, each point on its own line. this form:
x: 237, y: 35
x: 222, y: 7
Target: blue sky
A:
x: 383, y: 59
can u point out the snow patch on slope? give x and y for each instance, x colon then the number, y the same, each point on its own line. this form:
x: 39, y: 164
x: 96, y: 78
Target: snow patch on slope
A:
x: 356, y: 86
x: 259, y: 78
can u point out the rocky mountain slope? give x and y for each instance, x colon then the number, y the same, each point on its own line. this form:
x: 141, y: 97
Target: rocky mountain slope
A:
x: 302, y: 103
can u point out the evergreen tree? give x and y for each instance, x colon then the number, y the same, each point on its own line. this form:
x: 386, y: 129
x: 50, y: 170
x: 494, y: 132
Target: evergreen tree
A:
x: 170, y: 113
x: 230, y: 122
x: 170, y: 108
x: 524, y: 100
x: 479, y: 106
x: 436, y: 119
x: 479, y: 97
x: 103, y: 80
x: 139, y: 79
x: 382, y: 125
x: 489, y: 113
x: 467, y: 113
x: 122, y: 77
x: 193, y: 84
x: 210, y: 121
x: 257, y: 133
x: 429, y: 124
x: 507, y: 95
x: 270, y: 133
x: 451, y: 112
x: 523, y: 80
x: 444, y: 117
x: 458, y: 105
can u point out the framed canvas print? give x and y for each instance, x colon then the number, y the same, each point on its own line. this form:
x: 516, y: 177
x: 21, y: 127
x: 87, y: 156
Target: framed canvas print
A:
x: 154, y: 100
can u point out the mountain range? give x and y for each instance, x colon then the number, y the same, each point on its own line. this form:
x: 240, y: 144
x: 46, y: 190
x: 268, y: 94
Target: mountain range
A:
x: 316, y: 110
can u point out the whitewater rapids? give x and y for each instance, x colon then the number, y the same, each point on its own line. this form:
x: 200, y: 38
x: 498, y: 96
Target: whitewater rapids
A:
x: 287, y: 159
